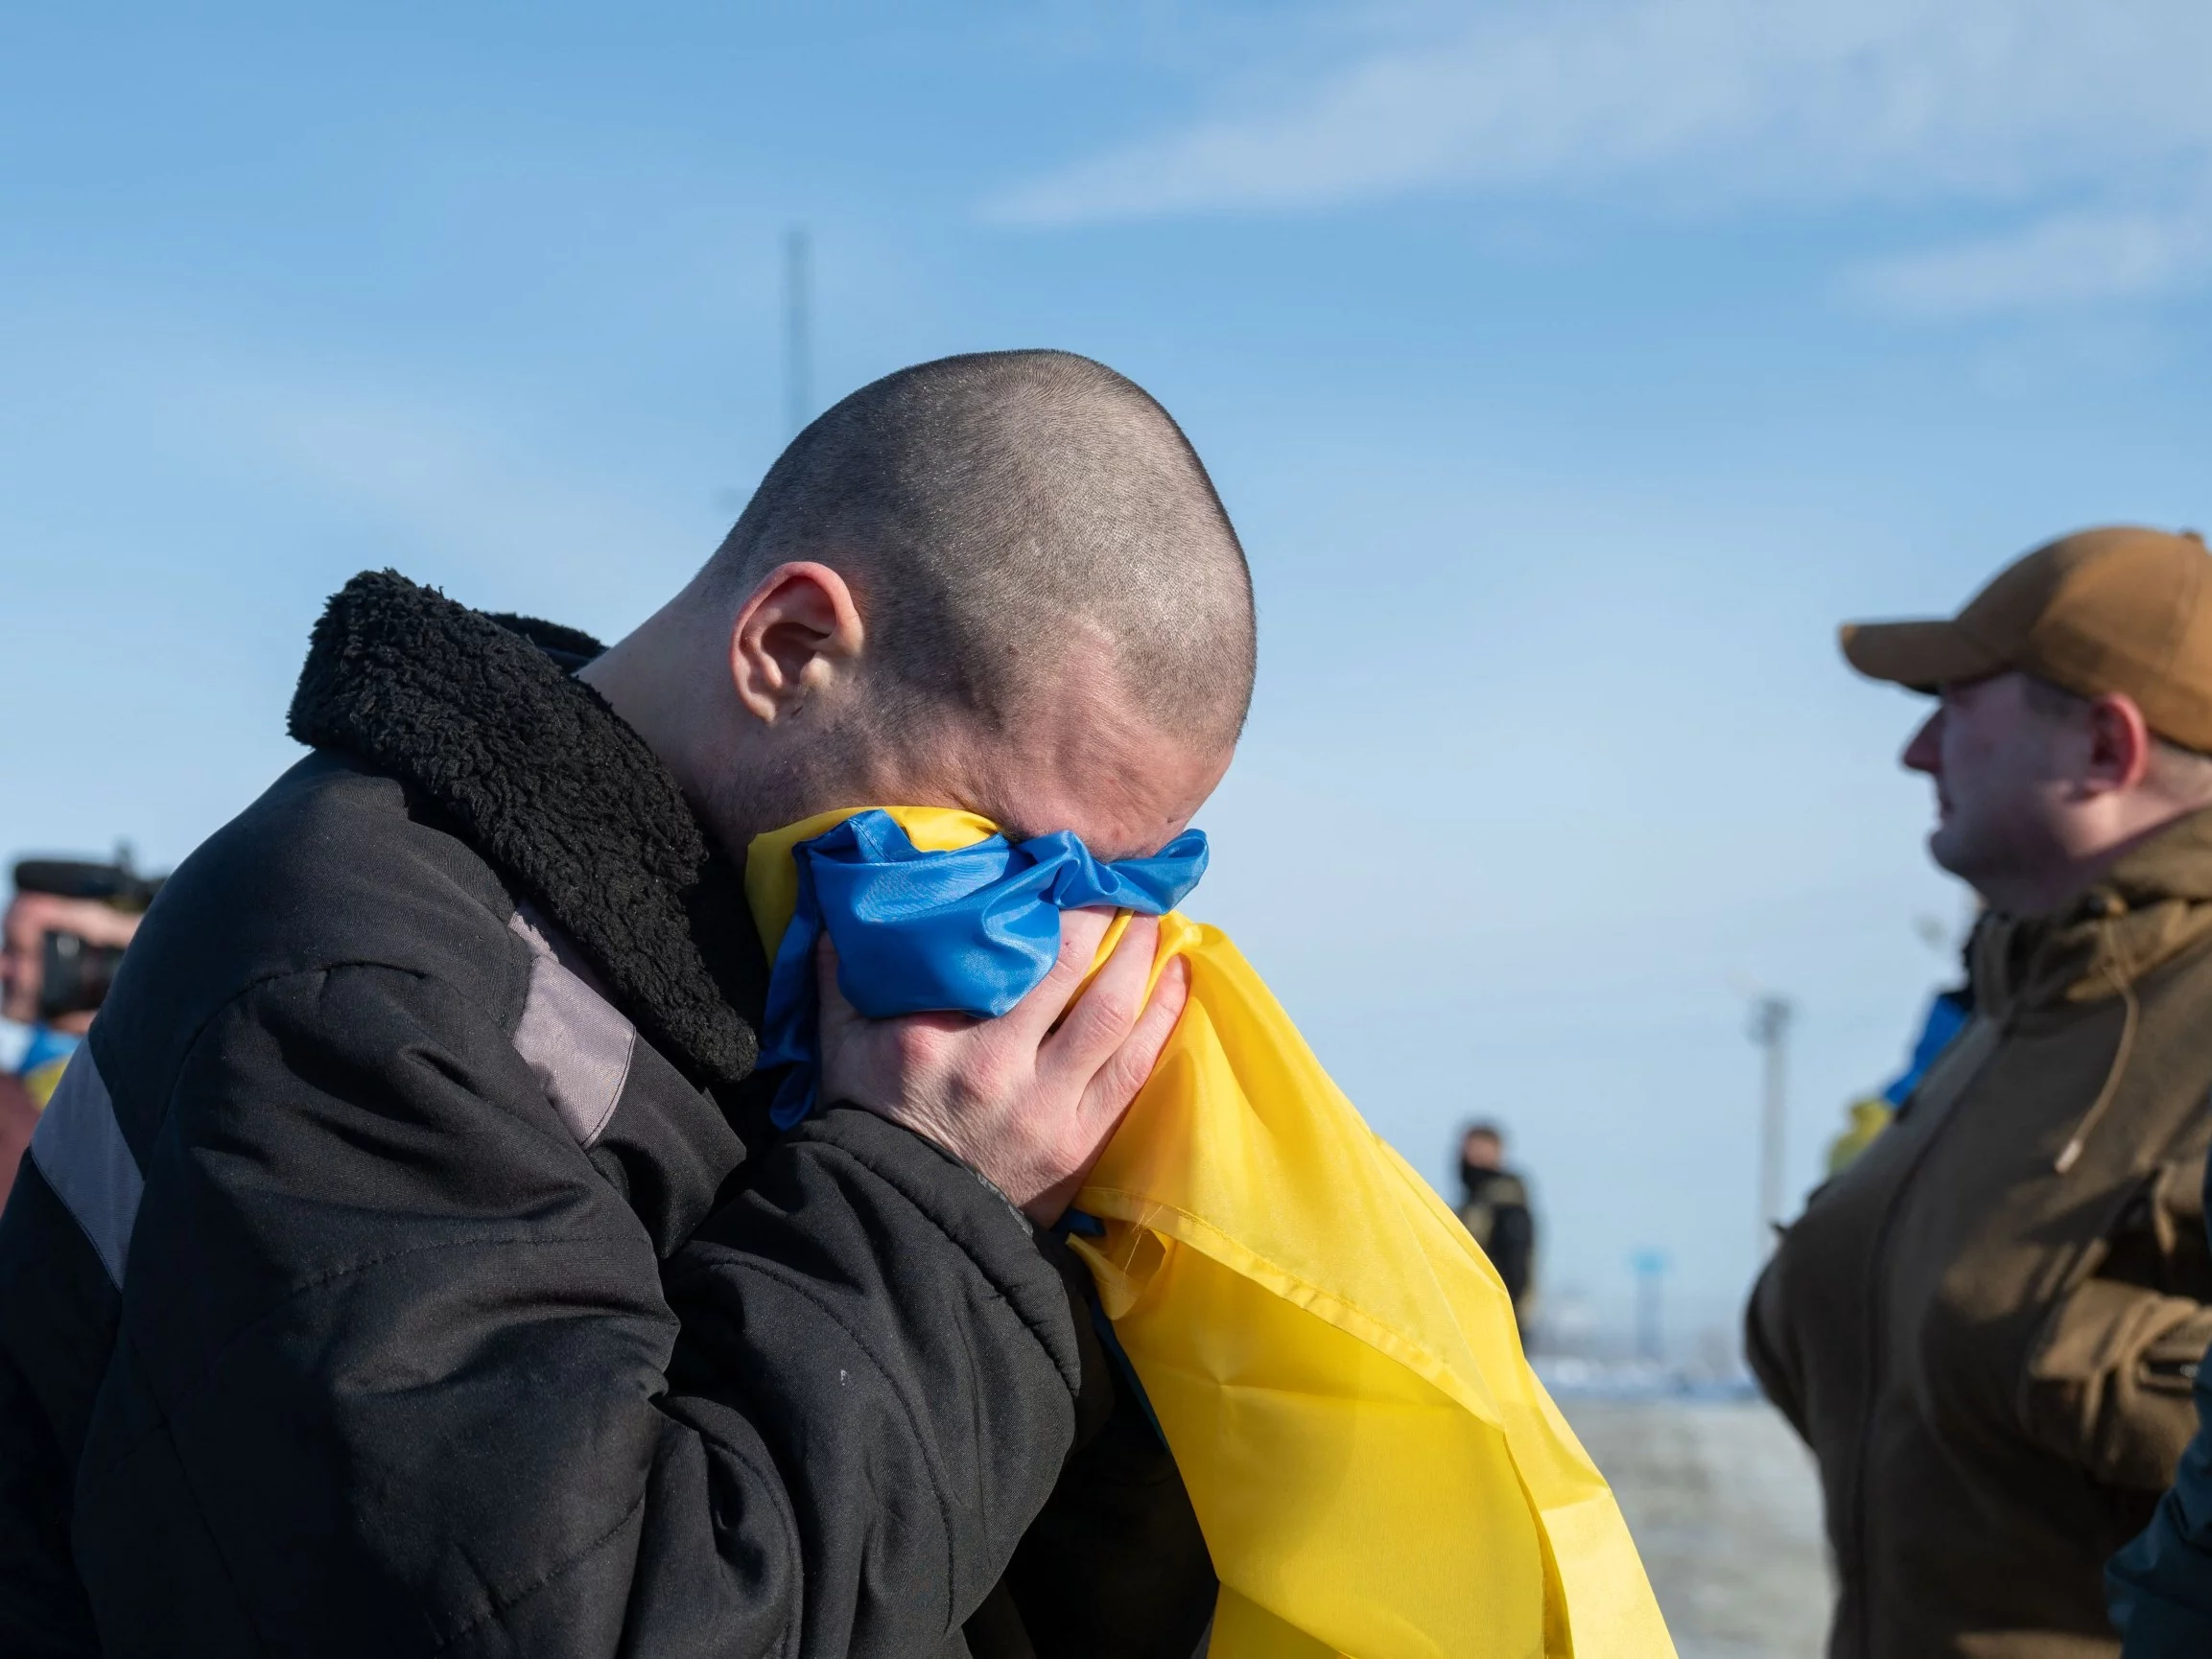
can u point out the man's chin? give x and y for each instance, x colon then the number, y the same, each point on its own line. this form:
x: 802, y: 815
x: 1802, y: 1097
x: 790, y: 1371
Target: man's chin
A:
x: 1948, y: 851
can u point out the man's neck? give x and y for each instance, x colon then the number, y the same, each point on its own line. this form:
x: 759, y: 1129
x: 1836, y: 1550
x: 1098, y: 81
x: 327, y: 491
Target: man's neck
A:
x: 675, y: 694
x: 670, y: 683
x: 645, y: 679
x: 2059, y: 889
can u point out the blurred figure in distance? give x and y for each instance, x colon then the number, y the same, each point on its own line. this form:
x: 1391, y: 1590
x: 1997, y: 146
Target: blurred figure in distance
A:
x: 1493, y: 1207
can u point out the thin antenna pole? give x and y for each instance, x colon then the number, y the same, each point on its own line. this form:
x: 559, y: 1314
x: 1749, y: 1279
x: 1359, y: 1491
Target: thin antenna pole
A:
x: 1649, y: 1332
x: 1770, y: 1018
x: 798, y: 366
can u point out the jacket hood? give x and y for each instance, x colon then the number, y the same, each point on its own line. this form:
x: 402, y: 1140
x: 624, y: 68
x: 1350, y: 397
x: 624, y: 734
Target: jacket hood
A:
x: 482, y: 715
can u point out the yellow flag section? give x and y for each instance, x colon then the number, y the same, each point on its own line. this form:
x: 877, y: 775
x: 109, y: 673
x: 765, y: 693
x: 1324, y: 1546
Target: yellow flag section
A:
x: 1334, y: 1363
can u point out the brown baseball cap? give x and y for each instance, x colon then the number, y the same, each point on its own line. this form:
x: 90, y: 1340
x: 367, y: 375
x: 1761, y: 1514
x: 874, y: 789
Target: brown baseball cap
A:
x: 2119, y: 609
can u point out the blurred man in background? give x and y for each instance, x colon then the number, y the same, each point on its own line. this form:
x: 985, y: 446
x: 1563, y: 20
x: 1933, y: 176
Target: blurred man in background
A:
x: 1493, y: 1207
x: 60, y: 940
x: 1987, y: 1324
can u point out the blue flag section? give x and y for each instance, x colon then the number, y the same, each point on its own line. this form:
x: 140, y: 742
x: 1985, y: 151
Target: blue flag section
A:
x: 968, y: 931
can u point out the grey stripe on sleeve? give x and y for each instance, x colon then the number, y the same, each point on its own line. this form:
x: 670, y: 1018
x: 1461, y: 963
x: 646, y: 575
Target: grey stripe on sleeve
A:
x: 80, y: 1148
x: 570, y: 1034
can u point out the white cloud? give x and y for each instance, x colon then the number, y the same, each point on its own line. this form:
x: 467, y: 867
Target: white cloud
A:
x: 2064, y: 259
x: 1800, y: 102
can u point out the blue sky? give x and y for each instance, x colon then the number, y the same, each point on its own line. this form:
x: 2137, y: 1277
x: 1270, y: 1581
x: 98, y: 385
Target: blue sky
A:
x: 1570, y: 369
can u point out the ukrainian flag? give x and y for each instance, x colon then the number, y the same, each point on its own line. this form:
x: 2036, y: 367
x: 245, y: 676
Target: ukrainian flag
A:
x: 1333, y: 1363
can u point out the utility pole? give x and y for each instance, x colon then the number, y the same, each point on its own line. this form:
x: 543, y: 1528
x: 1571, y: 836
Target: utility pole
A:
x: 1650, y: 1268
x: 1770, y: 1029
x: 798, y: 366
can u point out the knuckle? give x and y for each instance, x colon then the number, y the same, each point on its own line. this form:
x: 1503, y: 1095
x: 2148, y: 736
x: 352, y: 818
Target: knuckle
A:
x: 1130, y: 1074
x: 916, y: 1050
x: 1140, y: 1058
x: 986, y: 1077
x: 1116, y: 1082
x: 1115, y: 1006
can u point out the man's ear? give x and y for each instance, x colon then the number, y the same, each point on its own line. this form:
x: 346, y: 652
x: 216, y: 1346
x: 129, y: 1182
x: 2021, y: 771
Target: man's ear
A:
x: 2120, y: 743
x: 796, y: 632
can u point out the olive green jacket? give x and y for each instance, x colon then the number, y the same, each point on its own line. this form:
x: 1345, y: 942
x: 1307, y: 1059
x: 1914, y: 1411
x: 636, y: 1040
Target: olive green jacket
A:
x: 1987, y: 1325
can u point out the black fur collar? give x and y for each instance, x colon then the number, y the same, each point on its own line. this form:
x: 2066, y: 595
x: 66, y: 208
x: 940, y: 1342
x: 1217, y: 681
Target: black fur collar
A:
x: 481, y: 715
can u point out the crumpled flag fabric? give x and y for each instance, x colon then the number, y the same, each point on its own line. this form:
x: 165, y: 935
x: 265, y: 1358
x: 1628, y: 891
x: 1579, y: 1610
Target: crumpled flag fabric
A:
x: 959, y: 923
x: 1334, y: 1365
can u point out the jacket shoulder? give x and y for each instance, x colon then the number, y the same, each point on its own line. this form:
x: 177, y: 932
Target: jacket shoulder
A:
x: 336, y: 864
x: 1497, y: 1189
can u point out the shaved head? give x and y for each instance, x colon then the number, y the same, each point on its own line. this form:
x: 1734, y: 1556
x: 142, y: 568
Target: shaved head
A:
x: 999, y: 515
x: 1001, y: 583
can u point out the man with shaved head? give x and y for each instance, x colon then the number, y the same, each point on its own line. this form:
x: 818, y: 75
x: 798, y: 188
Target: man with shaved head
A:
x: 409, y: 1262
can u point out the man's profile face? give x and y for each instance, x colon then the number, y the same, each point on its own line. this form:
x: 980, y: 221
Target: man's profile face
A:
x: 2002, y: 770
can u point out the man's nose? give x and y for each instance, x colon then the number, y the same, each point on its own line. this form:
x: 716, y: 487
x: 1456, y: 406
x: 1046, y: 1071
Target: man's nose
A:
x: 1926, y: 752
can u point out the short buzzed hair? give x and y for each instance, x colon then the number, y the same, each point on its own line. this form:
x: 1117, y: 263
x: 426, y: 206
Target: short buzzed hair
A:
x: 982, y: 506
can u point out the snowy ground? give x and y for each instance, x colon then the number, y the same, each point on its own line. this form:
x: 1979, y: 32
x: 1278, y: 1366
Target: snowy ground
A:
x: 1725, y: 1508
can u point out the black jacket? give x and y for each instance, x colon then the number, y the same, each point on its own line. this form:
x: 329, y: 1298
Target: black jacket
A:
x: 1495, y: 1211
x: 390, y: 1275
x: 2159, y: 1588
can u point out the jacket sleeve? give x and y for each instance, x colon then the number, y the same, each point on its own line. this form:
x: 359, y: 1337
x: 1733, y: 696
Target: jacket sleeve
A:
x: 2108, y: 1382
x: 2107, y: 1385
x: 412, y: 1367
x: 1116, y: 1564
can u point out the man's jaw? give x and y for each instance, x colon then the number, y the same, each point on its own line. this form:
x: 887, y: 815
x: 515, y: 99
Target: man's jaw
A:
x: 1945, y: 850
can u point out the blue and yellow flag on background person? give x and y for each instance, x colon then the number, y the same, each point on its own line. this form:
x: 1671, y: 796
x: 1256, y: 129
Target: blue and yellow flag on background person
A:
x: 43, y: 1061
x: 1333, y: 1363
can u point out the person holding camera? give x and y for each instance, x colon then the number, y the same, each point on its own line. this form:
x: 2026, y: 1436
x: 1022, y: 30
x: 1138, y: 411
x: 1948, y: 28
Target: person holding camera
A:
x: 60, y: 940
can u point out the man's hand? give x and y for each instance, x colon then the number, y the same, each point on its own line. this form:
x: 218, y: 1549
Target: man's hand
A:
x: 1027, y: 1100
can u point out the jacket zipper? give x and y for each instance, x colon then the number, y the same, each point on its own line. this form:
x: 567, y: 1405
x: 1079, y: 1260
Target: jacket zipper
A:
x: 1876, y: 1307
